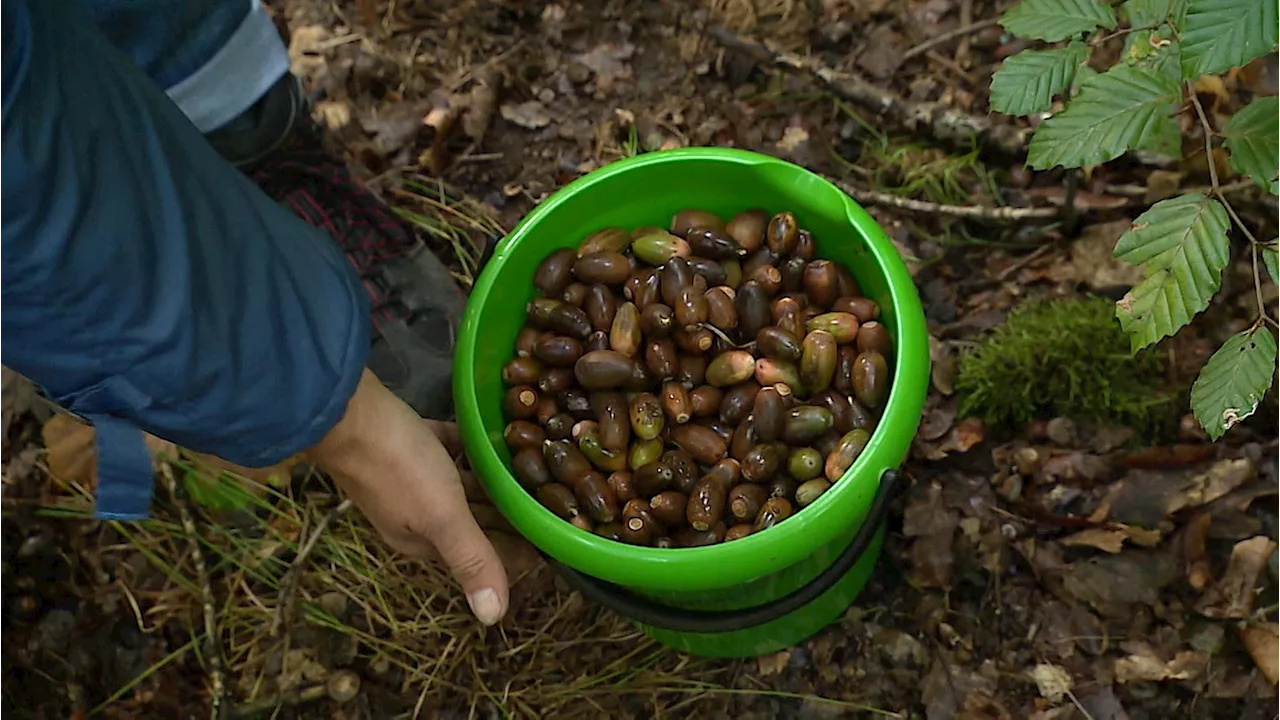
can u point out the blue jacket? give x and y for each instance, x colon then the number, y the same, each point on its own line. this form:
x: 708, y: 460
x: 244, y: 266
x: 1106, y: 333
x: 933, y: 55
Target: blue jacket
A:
x: 148, y: 284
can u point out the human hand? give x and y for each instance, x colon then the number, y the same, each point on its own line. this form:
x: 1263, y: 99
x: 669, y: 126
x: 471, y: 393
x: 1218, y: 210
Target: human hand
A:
x: 399, y: 470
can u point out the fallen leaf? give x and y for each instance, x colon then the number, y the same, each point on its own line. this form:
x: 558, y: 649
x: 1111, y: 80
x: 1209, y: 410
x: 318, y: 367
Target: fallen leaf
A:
x: 70, y: 451
x: 1144, y: 665
x: 1162, y: 185
x: 774, y: 664
x: 933, y: 526
x: 608, y: 62
x: 529, y: 114
x: 1232, y: 596
x: 1194, y: 555
x: 18, y: 396
x: 300, y: 668
x: 333, y: 114
x: 1101, y: 703
x: 1093, y: 261
x: 1168, y: 457
x: 394, y: 126
x: 961, y: 438
x: 1262, y: 640
x: 306, y: 48
x: 1113, y: 583
x: 883, y: 52
x: 484, y: 97
x: 1106, y: 540
x: 1052, y: 682
x: 938, y: 417
x: 942, y: 371
x: 1145, y: 498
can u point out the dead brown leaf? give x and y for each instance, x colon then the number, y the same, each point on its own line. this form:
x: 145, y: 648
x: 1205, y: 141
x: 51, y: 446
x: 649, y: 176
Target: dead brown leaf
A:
x: 961, y: 438
x: 1052, y: 682
x: 529, y: 114
x: 938, y: 417
x: 1262, y: 640
x: 608, y: 62
x: 883, y: 52
x: 1146, y: 498
x: 1113, y: 583
x: 1104, y: 539
x: 1162, y: 184
x: 1102, y: 704
x: 483, y: 99
x: 1193, y: 551
x: 1093, y: 260
x: 1232, y: 596
x: 933, y: 526
x: 942, y: 371
x: 774, y: 664
x: 72, y: 456
x: 1144, y: 665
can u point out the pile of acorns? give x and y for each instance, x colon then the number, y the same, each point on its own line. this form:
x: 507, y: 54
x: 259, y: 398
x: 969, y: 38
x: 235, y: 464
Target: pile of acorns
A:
x: 683, y: 387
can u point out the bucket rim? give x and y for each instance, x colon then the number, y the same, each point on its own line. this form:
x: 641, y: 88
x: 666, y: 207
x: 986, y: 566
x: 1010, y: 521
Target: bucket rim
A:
x: 725, y: 564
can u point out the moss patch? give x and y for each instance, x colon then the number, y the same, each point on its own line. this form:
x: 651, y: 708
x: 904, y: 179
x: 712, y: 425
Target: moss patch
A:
x: 1062, y: 358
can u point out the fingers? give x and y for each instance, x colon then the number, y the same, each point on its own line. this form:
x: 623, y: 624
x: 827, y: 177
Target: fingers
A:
x: 470, y: 556
x: 448, y: 435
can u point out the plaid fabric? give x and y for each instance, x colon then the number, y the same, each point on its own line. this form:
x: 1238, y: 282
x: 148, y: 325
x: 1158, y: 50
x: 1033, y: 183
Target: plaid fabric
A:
x: 319, y: 188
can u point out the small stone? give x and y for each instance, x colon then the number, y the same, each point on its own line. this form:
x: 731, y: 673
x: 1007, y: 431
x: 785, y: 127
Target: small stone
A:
x: 55, y: 629
x: 1061, y: 431
x: 1208, y: 639
x: 1026, y: 460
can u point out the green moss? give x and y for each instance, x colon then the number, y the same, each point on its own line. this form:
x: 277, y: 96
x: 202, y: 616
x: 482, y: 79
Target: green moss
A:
x: 1062, y: 358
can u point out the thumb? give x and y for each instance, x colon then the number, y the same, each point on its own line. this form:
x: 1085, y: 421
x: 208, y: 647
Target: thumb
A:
x: 471, y: 558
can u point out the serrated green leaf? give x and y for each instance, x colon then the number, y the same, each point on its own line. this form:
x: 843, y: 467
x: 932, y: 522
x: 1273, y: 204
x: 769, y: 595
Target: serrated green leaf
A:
x: 1149, y: 13
x: 1253, y: 142
x: 1115, y: 111
x: 1232, y: 383
x: 1218, y: 35
x: 1027, y: 82
x: 1054, y: 20
x: 1269, y: 259
x: 1182, y: 245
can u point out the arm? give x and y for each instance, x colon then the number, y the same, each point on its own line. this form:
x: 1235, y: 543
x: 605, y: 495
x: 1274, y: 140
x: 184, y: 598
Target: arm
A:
x: 148, y: 285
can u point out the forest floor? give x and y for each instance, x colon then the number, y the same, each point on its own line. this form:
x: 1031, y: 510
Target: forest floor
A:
x: 1055, y: 570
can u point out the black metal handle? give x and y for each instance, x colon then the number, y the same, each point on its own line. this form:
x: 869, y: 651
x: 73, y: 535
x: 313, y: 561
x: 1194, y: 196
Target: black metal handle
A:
x: 646, y: 611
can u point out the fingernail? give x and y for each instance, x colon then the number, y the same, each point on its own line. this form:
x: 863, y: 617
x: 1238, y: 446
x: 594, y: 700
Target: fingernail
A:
x: 484, y: 603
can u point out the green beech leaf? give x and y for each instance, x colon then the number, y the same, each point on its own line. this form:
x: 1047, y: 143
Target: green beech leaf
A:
x: 1123, y: 108
x: 1232, y: 383
x: 1054, y: 20
x: 1027, y: 82
x: 1218, y: 35
x: 1253, y: 142
x: 1182, y: 245
x: 1149, y: 13
x: 1269, y: 259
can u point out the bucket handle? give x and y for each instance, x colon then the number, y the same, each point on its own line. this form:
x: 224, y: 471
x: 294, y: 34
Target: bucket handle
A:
x: 648, y: 612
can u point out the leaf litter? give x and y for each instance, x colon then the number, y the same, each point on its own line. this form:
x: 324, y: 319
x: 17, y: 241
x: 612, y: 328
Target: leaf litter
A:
x: 1050, y: 570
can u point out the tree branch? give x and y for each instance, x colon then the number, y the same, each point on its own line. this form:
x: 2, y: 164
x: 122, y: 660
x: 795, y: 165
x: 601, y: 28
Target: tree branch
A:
x: 973, y: 212
x: 941, y: 122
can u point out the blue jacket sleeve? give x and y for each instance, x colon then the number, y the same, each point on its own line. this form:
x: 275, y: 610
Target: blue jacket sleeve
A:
x: 146, y: 282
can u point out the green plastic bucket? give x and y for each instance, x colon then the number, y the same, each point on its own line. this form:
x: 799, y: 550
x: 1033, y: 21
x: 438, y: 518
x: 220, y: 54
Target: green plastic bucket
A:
x: 766, y: 591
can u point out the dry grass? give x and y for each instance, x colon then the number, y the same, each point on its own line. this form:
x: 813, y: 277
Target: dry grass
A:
x: 398, y: 621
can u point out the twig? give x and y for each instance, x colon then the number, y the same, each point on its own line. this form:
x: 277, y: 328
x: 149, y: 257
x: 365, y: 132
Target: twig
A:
x: 1216, y: 190
x: 1140, y: 190
x: 978, y: 212
x: 947, y: 36
x: 951, y: 65
x: 962, y: 49
x: 288, y: 699
x: 290, y: 580
x: 212, y: 636
x: 941, y: 122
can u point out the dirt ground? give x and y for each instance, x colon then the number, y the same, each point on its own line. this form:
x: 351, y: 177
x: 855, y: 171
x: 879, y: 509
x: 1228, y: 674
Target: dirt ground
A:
x: 1055, y: 571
